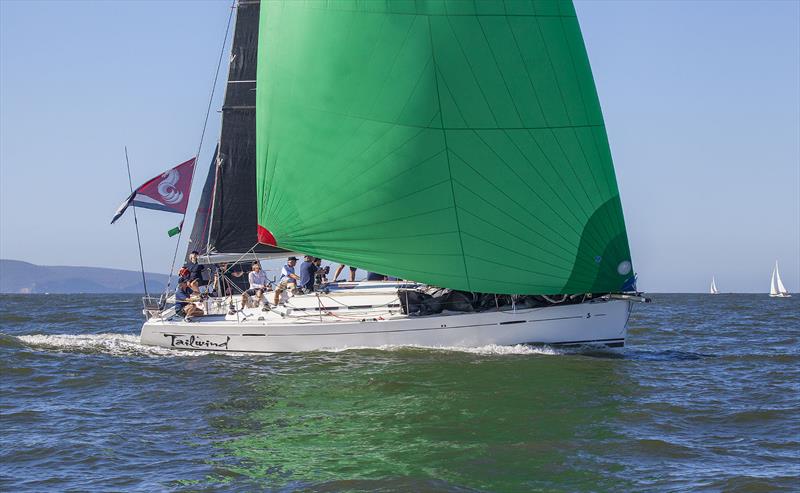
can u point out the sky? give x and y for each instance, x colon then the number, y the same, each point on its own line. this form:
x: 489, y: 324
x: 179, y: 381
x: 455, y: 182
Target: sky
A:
x: 701, y: 102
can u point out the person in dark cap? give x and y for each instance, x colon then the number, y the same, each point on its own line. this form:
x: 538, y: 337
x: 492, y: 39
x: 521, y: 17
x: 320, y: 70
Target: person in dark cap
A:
x: 184, y: 302
x: 288, y: 278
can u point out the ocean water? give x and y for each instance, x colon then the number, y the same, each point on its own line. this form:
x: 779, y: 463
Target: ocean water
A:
x: 705, y: 397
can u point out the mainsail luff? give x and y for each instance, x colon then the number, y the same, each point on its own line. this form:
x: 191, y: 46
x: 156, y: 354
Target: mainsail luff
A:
x: 462, y: 144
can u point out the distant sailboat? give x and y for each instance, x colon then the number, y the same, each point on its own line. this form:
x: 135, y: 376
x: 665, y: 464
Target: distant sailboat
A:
x: 713, y: 289
x: 776, y: 287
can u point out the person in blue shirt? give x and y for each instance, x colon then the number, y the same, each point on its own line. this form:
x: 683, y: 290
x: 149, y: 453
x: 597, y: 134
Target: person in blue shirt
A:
x: 184, y: 306
x: 308, y: 271
x: 288, y: 277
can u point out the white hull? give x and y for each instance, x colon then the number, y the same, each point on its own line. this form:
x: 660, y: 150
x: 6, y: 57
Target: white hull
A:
x: 780, y: 295
x: 601, y: 322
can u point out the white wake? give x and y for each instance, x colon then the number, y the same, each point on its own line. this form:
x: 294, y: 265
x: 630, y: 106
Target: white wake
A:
x: 490, y: 349
x: 130, y: 345
x: 115, y: 344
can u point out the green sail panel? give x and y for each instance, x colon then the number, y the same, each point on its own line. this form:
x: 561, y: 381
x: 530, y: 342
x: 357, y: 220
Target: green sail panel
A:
x: 456, y: 143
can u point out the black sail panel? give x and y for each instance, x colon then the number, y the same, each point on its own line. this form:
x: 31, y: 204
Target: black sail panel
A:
x: 233, y: 224
x: 199, y: 237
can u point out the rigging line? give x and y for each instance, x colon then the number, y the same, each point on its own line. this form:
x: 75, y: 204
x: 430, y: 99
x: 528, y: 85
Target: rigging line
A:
x: 136, y: 222
x: 210, y: 209
x: 202, y: 136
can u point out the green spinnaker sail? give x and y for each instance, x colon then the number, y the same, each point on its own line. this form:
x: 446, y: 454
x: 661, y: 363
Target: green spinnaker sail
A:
x: 455, y: 143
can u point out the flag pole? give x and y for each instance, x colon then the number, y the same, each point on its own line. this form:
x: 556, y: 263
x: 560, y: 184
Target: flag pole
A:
x: 136, y: 222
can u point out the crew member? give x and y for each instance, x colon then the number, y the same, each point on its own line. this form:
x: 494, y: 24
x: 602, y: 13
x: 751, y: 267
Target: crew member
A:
x: 184, y: 302
x: 258, y: 285
x: 339, y: 269
x: 194, y: 272
x: 288, y: 277
x: 308, y: 271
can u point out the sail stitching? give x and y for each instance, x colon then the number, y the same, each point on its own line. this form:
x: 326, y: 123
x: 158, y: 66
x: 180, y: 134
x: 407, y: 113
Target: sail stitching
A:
x: 354, y: 160
x: 542, y: 180
x: 528, y: 186
x: 310, y: 231
x: 447, y: 154
x: 500, y: 72
x: 472, y: 72
x: 521, y: 207
x: 343, y: 173
x: 568, y: 260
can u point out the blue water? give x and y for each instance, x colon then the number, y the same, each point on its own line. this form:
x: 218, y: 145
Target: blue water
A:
x: 705, y: 397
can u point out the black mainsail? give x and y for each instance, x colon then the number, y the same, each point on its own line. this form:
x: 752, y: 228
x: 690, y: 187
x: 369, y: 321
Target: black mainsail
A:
x: 225, y: 222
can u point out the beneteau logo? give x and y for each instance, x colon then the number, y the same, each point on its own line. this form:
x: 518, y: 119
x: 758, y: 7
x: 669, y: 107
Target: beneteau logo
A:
x: 196, y: 342
x: 166, y: 188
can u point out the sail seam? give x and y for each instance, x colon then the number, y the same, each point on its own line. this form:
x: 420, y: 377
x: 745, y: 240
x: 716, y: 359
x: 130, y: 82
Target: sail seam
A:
x: 472, y: 72
x: 429, y: 15
x: 447, y: 154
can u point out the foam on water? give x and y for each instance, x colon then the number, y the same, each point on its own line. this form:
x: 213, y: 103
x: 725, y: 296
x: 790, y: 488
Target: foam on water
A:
x: 130, y: 345
x: 490, y: 349
x: 114, y: 344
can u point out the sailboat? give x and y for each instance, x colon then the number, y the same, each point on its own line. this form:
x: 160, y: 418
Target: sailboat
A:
x: 713, y: 289
x: 776, y: 287
x: 456, y: 146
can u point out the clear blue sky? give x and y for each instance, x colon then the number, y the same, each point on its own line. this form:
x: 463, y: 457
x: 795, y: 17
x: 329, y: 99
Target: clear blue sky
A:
x: 701, y: 100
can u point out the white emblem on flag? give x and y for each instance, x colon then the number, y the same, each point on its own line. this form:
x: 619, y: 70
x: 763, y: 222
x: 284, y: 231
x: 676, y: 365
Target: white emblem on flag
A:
x: 166, y: 188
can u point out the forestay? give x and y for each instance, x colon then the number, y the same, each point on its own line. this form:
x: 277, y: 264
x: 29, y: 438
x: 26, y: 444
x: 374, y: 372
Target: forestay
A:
x: 458, y: 144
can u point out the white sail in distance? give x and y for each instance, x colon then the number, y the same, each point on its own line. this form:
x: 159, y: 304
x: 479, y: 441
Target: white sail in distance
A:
x: 778, y: 282
x: 773, y: 290
x: 776, y: 287
x: 713, y: 288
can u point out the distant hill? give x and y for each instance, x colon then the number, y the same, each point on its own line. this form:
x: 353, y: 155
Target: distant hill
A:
x: 23, y: 277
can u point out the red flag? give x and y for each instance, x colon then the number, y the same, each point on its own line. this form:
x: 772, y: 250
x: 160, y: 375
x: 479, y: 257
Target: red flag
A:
x: 168, y: 191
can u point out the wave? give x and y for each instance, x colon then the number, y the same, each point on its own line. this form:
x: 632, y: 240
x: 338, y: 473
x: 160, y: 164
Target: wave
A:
x: 490, y: 349
x: 114, y: 344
